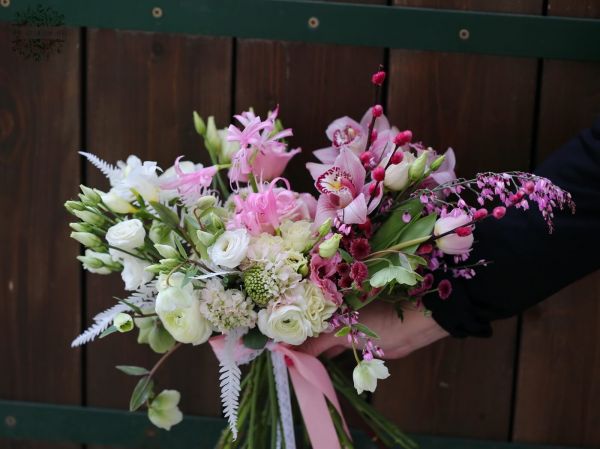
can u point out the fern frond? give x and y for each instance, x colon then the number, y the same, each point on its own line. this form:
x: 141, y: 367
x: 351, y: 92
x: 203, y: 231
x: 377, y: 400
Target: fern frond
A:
x: 230, y: 375
x: 110, y: 171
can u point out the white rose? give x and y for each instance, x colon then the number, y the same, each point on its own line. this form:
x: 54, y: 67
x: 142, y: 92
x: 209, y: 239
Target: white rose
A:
x: 396, y: 176
x: 179, y: 310
x: 285, y: 323
x: 164, y: 411
x: 134, y: 272
x: 296, y: 235
x: 317, y: 308
x: 230, y: 248
x: 116, y: 203
x: 367, y: 372
x: 126, y: 235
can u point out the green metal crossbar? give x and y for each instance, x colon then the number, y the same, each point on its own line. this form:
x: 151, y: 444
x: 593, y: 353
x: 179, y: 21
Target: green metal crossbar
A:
x: 86, y: 425
x: 340, y: 23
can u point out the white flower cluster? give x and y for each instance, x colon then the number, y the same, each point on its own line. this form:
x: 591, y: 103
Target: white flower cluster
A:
x: 226, y: 309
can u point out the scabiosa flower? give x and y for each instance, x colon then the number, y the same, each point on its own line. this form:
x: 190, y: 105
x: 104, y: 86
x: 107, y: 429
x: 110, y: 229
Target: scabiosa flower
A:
x: 226, y: 309
x: 343, y: 269
x: 359, y: 272
x: 444, y: 289
x: 360, y: 248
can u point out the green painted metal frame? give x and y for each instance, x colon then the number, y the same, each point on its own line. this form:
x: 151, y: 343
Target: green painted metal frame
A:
x: 86, y: 425
x: 340, y: 23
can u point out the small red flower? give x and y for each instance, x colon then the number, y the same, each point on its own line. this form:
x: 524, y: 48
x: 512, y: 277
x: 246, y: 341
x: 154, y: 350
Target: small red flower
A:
x: 343, y: 269
x: 397, y: 157
x: 480, y: 214
x: 403, y: 137
x: 378, y: 78
x: 378, y: 174
x: 464, y: 231
x: 425, y: 248
x: 499, y: 212
x: 377, y: 110
x: 360, y: 248
x: 359, y: 272
x: 444, y: 289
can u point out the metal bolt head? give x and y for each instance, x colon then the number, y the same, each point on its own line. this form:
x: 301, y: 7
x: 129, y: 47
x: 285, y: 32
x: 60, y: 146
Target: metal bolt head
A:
x: 313, y: 22
x: 10, y: 421
x: 157, y: 12
x: 5, y: 3
x: 464, y: 34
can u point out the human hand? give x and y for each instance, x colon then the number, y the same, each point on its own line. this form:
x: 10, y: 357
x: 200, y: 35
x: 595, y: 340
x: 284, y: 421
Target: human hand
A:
x: 398, y: 338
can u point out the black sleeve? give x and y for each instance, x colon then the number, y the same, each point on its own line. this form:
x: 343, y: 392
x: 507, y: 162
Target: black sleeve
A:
x: 529, y: 264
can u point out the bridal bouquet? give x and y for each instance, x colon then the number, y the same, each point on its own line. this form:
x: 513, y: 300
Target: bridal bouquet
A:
x: 230, y: 255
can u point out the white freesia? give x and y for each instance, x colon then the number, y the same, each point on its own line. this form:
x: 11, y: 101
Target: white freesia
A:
x: 230, y: 248
x: 367, y: 372
x: 178, y: 307
x: 116, y: 203
x: 296, y: 235
x: 285, y: 323
x: 396, y: 175
x: 134, y: 272
x: 126, y: 235
x: 164, y: 411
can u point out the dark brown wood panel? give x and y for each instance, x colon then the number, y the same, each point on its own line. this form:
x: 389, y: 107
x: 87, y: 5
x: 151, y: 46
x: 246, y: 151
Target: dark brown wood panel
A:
x: 483, y: 107
x: 559, y: 370
x: 142, y: 89
x: 39, y: 276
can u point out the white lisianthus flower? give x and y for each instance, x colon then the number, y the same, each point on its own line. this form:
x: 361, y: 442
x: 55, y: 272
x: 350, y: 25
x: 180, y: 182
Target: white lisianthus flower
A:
x: 116, y: 203
x: 396, y: 175
x: 126, y: 235
x: 179, y: 310
x: 367, y: 372
x: 164, y: 411
x: 230, y: 248
x: 453, y: 244
x: 97, y: 263
x: 134, y: 272
x: 139, y: 176
x: 285, y: 323
x: 317, y: 309
x: 296, y: 235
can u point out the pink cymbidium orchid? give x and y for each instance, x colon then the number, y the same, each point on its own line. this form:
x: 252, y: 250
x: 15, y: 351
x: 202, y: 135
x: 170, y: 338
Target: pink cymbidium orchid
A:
x: 344, y: 196
x: 261, y: 152
x: 190, y: 185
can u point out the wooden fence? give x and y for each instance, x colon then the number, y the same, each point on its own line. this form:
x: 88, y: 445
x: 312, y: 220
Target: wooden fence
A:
x: 115, y: 93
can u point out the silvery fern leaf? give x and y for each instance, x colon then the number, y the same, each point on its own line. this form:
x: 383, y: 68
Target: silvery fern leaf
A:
x: 143, y: 296
x: 230, y: 375
x: 110, y: 171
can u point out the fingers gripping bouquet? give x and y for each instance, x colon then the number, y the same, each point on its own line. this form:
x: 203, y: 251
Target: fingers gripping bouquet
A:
x: 230, y: 255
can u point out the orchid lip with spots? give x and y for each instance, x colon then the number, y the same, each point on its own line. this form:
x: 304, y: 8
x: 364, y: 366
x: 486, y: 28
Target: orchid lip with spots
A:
x: 231, y: 255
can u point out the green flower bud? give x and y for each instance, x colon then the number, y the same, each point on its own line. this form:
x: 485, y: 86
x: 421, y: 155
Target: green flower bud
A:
x: 159, y: 339
x: 199, y: 124
x: 80, y: 227
x: 330, y: 246
x: 87, y: 239
x: 437, y: 163
x: 169, y: 264
x: 160, y: 233
x: 325, y: 228
x: 89, y: 217
x: 417, y: 168
x: 212, y: 223
x: 90, y: 195
x: 91, y: 262
x: 303, y: 270
x: 258, y: 285
x: 123, y: 322
x: 155, y: 268
x: 167, y: 251
x: 212, y: 139
x: 206, y: 238
x: 205, y: 202
x: 72, y: 206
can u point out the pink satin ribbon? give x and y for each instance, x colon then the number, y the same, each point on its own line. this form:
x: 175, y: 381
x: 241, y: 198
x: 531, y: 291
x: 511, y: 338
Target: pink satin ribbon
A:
x: 312, y: 386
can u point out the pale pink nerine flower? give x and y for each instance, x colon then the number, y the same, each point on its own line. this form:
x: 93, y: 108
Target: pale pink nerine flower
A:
x: 344, y: 193
x: 261, y: 152
x: 452, y: 243
x: 266, y: 210
x: 193, y: 183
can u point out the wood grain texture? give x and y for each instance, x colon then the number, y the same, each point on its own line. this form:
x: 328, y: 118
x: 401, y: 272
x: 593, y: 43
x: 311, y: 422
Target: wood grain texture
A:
x: 483, y: 107
x: 559, y: 369
x: 39, y: 276
x: 142, y: 89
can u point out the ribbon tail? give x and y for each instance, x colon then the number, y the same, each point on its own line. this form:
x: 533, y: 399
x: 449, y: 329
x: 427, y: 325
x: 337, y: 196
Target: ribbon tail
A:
x: 283, y: 398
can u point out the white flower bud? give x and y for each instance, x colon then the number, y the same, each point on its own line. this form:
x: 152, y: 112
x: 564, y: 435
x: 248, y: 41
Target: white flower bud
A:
x: 117, y: 203
x: 123, y: 322
x: 367, y: 372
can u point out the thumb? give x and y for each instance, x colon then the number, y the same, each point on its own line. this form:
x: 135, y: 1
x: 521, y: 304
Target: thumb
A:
x: 316, y: 346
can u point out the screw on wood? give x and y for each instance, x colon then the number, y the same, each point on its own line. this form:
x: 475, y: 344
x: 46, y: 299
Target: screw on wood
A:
x: 157, y: 12
x: 5, y: 3
x: 313, y: 22
x: 464, y: 34
x: 10, y: 421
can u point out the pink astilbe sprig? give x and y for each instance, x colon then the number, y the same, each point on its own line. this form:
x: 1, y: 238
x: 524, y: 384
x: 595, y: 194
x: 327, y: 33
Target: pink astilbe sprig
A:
x: 191, y: 185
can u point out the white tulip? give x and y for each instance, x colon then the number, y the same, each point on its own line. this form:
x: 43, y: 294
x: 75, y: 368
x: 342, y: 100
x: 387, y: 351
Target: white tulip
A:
x: 396, y: 175
x: 367, y: 372
x: 126, y: 235
x: 230, y: 248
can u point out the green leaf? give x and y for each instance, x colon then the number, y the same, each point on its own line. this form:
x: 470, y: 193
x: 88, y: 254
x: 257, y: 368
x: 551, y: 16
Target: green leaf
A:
x: 420, y: 228
x: 133, y: 307
x: 181, y: 249
x: 365, y: 330
x: 110, y: 330
x: 133, y: 370
x: 345, y: 256
x: 254, y: 339
x: 141, y: 393
x: 387, y: 235
x: 343, y: 331
x: 167, y: 216
x: 393, y: 273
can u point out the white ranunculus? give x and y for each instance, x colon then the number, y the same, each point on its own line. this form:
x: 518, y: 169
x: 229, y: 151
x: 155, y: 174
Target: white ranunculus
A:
x: 230, y: 248
x: 134, y: 272
x: 164, y: 411
x: 126, y: 235
x: 396, y: 176
x: 179, y: 310
x: 453, y: 244
x: 296, y: 235
x: 367, y: 372
x: 116, y: 203
x: 317, y: 308
x: 285, y: 323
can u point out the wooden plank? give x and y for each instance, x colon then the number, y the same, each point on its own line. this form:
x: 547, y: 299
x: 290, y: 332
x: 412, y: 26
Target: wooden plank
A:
x: 483, y: 107
x: 142, y: 90
x: 39, y: 276
x: 559, y: 368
